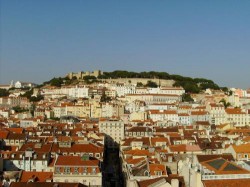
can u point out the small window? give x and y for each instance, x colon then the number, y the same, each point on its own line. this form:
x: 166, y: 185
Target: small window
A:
x: 58, y: 170
x: 67, y: 170
x: 85, y: 170
x: 76, y: 170
x: 158, y: 173
x: 146, y: 173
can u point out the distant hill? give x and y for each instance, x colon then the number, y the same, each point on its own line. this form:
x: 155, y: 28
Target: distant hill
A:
x: 191, y: 85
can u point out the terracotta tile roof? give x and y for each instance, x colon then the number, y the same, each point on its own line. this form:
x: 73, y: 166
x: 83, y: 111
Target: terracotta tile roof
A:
x: 157, y: 167
x: 227, y: 183
x: 4, y: 134
x: 63, y: 138
x: 203, y: 158
x: 173, y: 134
x: 37, y: 176
x: 243, y: 148
x: 38, y: 147
x: 137, y: 152
x: 139, y: 129
x: 128, y: 141
x: 169, y: 129
x: 216, y: 105
x: 77, y: 148
x: 15, y: 136
x: 75, y: 161
x: 222, y: 166
x: 154, y: 140
x: 246, y: 139
x: 183, y: 114
x: 184, y: 148
x: 135, y: 160
x: 15, y: 130
x: 234, y: 111
x: 205, y: 123
x: 185, y: 107
x: 198, y: 113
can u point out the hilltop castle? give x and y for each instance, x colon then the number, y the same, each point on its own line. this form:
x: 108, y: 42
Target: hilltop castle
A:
x: 80, y: 75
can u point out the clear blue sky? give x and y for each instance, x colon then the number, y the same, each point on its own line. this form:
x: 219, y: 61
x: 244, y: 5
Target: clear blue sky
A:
x: 43, y: 39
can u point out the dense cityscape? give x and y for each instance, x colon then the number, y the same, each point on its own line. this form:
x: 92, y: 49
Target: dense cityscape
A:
x: 148, y: 129
x: 128, y: 93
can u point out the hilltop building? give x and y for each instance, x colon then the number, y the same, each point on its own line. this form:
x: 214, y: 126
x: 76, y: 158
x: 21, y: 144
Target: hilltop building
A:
x: 80, y: 75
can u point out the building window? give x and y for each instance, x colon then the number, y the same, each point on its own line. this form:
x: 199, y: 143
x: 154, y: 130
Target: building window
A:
x: 67, y: 170
x: 146, y: 173
x: 85, y: 170
x: 93, y: 170
x: 76, y: 170
x: 158, y: 173
x: 58, y: 170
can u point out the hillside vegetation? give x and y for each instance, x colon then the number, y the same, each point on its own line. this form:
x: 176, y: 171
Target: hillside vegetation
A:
x: 191, y: 85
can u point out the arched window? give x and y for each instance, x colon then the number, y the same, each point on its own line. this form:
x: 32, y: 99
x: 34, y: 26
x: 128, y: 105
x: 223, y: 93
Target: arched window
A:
x: 146, y: 173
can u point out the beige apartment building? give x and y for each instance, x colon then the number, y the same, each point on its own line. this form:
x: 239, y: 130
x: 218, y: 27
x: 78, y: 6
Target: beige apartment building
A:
x: 114, y: 130
x: 237, y: 116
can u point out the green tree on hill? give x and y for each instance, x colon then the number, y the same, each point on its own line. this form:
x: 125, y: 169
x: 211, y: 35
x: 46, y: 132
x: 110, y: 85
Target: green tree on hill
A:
x: 151, y: 84
x: 226, y: 104
x: 4, y: 92
x: 186, y: 97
